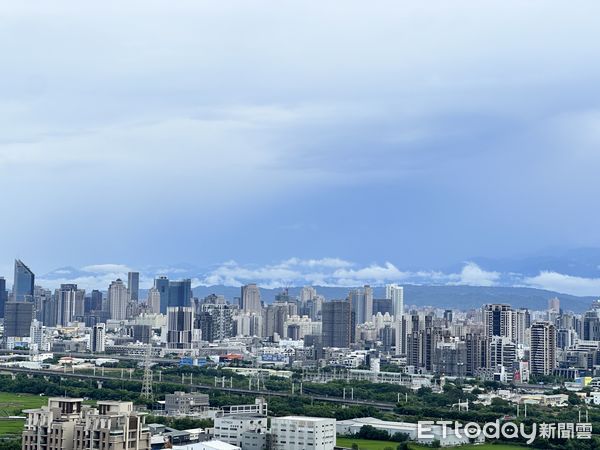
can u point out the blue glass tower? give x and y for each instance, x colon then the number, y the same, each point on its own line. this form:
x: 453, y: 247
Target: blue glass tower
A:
x: 162, y: 285
x: 24, y: 282
x: 180, y: 293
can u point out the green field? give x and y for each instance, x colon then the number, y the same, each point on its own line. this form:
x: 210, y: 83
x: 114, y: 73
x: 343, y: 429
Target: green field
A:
x: 11, y: 426
x: 364, y: 444
x: 475, y: 447
x: 13, y: 405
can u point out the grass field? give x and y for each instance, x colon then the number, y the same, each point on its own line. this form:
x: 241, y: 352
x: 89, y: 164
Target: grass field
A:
x: 475, y: 447
x: 12, y: 405
x: 364, y: 444
x: 11, y: 426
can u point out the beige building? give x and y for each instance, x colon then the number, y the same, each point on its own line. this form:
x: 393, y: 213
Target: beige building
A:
x: 69, y: 425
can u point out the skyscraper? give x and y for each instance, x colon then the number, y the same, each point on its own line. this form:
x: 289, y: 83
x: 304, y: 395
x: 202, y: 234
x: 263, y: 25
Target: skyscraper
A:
x: 543, y: 348
x: 95, y: 303
x: 17, y: 322
x: 250, y: 298
x: 180, y: 320
x: 133, y: 285
x: 69, y: 304
x: 3, y: 296
x: 275, y: 317
x: 554, y: 305
x: 215, y: 321
x: 180, y: 293
x: 161, y: 284
x: 117, y: 300
x: 396, y: 294
x: 24, y: 281
x: 153, y: 300
x: 362, y: 303
x: 499, y: 320
x: 307, y: 293
x: 337, y: 324
x: 98, y: 338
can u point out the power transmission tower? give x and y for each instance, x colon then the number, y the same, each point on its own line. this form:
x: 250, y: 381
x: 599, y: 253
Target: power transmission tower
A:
x: 147, y: 382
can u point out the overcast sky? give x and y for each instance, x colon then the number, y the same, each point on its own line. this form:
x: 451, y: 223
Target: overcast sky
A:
x: 417, y: 133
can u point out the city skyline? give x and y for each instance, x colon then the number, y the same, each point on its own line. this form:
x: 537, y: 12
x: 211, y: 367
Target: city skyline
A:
x: 266, y: 225
x: 565, y: 273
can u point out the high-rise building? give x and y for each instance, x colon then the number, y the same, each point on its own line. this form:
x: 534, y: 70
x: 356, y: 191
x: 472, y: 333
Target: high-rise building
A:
x: 477, y: 353
x: 3, y: 296
x: 543, y: 348
x: 17, y: 320
x: 180, y: 293
x: 499, y: 320
x: 396, y: 294
x: 95, y: 302
x: 421, y: 347
x: 161, y: 284
x: 44, y: 306
x: 153, y: 300
x: 23, y: 283
x: 337, y: 324
x: 215, y: 321
x: 98, y: 338
x: 275, y: 317
x: 180, y: 320
x: 307, y: 293
x: 36, y: 333
x: 522, y: 322
x: 591, y: 325
x: 554, y: 305
x: 502, y: 352
x: 362, y: 303
x: 69, y: 304
x: 117, y: 300
x: 251, y: 298
x: 133, y: 286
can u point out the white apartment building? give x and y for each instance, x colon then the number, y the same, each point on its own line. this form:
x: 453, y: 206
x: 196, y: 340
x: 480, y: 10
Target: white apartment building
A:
x: 301, y: 433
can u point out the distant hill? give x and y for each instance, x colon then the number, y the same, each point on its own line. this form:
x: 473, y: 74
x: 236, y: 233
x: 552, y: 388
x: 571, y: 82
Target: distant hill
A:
x: 455, y: 297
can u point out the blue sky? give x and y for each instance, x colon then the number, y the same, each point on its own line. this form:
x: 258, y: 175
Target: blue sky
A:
x: 425, y: 135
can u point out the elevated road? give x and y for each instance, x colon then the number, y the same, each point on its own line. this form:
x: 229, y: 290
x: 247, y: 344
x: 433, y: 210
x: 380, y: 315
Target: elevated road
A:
x: 318, y: 398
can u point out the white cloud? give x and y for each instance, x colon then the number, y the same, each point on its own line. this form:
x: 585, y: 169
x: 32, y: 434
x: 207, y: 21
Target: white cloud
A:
x: 106, y: 268
x: 567, y: 284
x: 297, y: 272
x: 323, y: 262
x: 473, y: 275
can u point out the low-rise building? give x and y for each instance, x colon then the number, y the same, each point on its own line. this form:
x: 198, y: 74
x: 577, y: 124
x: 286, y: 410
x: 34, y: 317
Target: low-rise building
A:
x: 231, y: 428
x: 300, y: 433
x: 182, y: 403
